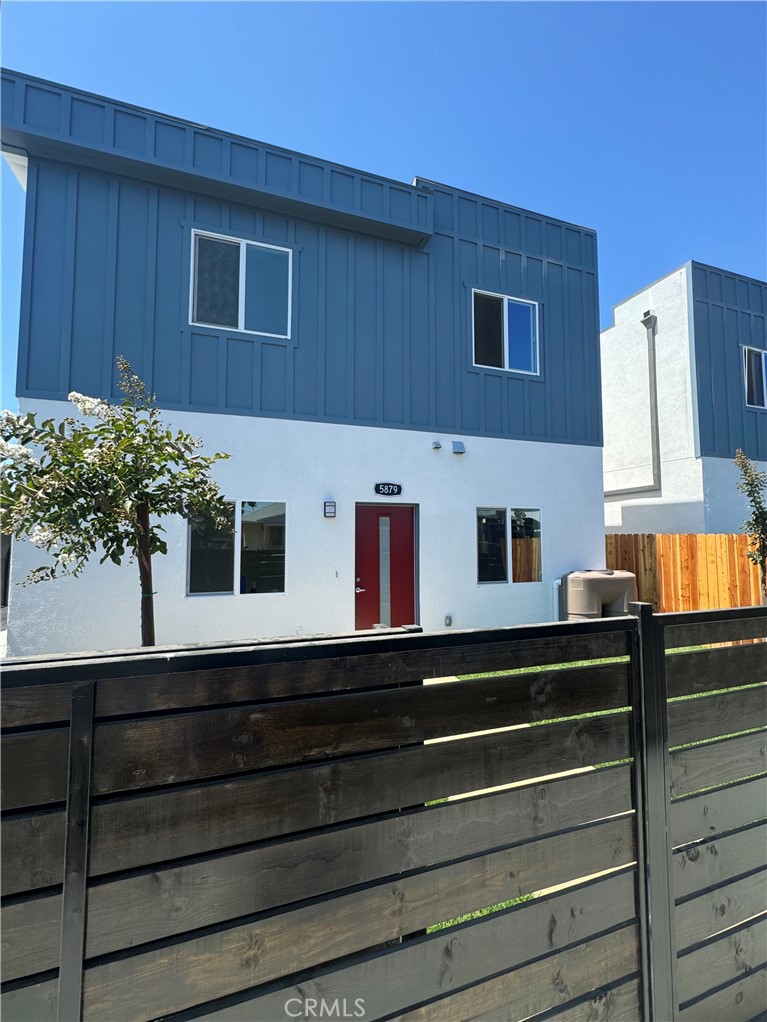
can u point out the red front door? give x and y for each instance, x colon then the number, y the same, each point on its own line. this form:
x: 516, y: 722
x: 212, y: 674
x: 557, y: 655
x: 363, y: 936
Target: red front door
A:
x: 385, y: 566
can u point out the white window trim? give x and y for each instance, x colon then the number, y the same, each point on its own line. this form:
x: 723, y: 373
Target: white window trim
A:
x: 763, y: 353
x: 237, y: 567
x: 243, y: 243
x: 506, y: 368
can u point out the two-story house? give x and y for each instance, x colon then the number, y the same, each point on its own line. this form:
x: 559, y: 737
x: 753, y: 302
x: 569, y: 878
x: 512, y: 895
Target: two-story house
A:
x: 406, y: 377
x: 684, y: 385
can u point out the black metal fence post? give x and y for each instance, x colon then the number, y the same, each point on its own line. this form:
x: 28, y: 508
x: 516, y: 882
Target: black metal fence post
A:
x: 73, y: 910
x: 658, y: 884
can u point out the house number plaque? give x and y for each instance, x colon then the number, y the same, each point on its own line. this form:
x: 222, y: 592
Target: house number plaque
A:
x: 388, y: 489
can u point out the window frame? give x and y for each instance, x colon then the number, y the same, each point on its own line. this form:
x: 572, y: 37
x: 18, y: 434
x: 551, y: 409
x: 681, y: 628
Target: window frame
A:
x: 494, y: 508
x: 509, y: 510
x: 237, y: 559
x: 243, y: 244
x: 763, y: 352
x: 506, y: 368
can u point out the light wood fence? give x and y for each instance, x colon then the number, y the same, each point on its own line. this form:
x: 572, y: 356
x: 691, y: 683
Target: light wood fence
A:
x: 685, y: 571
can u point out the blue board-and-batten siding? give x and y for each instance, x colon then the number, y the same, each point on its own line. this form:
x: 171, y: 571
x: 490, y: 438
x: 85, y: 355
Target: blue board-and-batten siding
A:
x: 382, y: 329
x: 729, y: 313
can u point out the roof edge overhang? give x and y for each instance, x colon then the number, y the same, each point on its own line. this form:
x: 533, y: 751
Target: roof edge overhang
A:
x: 45, y: 120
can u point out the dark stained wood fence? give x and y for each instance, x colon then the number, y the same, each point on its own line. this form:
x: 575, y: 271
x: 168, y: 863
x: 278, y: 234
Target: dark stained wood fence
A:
x: 717, y: 714
x: 236, y: 833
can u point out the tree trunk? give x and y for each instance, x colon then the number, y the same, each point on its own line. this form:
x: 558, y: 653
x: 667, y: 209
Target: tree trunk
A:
x: 145, y: 575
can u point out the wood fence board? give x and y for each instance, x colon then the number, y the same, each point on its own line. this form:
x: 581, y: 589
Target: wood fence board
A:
x: 704, y: 766
x: 701, y: 634
x: 716, y: 812
x: 540, y: 986
x: 190, y: 746
x: 694, y: 720
x: 240, y: 956
x: 719, y: 861
x: 36, y: 1003
x: 32, y: 850
x: 421, y: 969
x: 706, y: 670
x: 739, y: 1002
x: 732, y: 903
x: 34, y: 768
x: 621, y: 1003
x: 36, y: 704
x: 143, y: 829
x: 152, y: 693
x: 31, y: 936
x: 130, y: 910
x: 723, y: 959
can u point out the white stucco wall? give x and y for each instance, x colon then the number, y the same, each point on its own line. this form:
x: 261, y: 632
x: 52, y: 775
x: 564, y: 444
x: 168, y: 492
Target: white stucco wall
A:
x: 725, y: 507
x: 305, y: 464
x: 678, y: 505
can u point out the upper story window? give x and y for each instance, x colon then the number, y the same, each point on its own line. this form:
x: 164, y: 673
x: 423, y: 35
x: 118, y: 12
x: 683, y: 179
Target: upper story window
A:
x: 505, y: 333
x: 756, y: 377
x: 241, y: 285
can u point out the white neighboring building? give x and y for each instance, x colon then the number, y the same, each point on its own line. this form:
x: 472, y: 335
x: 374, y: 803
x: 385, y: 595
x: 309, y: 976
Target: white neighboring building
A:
x: 684, y: 385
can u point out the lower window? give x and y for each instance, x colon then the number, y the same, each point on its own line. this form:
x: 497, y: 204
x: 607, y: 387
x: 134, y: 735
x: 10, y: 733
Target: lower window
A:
x: 248, y: 559
x: 493, y: 548
x: 525, y: 545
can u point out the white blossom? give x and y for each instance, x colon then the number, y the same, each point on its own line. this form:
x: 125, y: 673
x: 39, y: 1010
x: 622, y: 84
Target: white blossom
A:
x: 92, y: 455
x: 42, y: 536
x: 16, y: 452
x: 10, y: 420
x: 92, y: 406
x: 65, y: 559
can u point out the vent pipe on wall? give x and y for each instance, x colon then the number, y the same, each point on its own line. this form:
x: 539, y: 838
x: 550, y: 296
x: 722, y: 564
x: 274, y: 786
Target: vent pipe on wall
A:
x: 650, y: 322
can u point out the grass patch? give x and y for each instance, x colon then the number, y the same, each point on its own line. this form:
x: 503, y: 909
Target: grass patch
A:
x: 479, y: 913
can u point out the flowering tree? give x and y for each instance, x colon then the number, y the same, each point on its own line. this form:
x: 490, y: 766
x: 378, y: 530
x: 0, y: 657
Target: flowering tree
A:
x: 82, y: 487
x: 753, y: 484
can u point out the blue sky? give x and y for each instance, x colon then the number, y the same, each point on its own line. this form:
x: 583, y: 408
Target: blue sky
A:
x: 645, y: 121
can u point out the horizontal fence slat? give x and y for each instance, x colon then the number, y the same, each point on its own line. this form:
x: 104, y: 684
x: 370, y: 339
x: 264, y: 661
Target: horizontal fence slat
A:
x: 31, y: 936
x: 418, y: 970
x: 739, y: 1002
x: 34, y: 768
x: 36, y: 704
x: 143, y: 829
x: 715, y: 812
x: 268, y: 678
x: 695, y: 720
x: 172, y: 978
x: 704, y: 670
x: 725, y: 958
x: 710, y: 630
x: 161, y: 750
x: 719, y: 860
x: 716, y: 910
x: 348, y: 654
x: 32, y: 851
x: 542, y: 985
x: 622, y: 1003
x: 704, y: 766
x: 131, y: 910
x: 38, y: 1002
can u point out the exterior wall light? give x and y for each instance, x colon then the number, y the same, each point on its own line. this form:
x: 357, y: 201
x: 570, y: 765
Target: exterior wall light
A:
x: 458, y: 447
x: 330, y: 509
